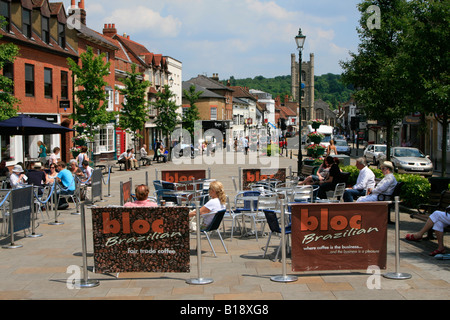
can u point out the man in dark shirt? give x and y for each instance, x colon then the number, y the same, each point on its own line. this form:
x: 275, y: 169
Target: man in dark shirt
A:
x: 36, y: 176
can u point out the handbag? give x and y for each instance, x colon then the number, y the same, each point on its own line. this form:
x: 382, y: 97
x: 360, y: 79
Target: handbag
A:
x: 193, y: 224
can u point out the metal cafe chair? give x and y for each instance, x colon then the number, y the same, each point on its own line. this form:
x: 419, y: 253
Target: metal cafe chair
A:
x: 334, y: 196
x: 246, y: 202
x: 274, y: 226
x: 215, y: 224
x: 75, y: 197
x: 303, y: 194
x: 231, y: 215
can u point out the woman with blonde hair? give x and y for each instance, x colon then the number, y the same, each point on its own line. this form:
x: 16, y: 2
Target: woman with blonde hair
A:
x: 331, y: 150
x: 216, y: 203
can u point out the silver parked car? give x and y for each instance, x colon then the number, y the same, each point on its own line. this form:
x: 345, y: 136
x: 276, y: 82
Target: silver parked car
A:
x: 373, y: 151
x: 342, y: 147
x: 409, y: 160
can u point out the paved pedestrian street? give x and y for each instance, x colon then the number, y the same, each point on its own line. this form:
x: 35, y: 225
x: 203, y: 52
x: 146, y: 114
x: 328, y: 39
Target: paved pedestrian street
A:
x: 44, y: 268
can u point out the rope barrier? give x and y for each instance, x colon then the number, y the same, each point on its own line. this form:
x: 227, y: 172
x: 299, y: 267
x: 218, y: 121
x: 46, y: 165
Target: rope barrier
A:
x: 48, y: 198
x: 6, y: 198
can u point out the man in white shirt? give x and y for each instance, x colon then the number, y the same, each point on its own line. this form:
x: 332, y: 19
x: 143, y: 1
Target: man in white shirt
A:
x: 133, y: 160
x: 365, y: 181
x: 144, y: 155
x: 385, y: 186
x: 123, y: 158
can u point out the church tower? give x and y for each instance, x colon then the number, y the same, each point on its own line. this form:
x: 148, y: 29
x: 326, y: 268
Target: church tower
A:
x: 307, y: 89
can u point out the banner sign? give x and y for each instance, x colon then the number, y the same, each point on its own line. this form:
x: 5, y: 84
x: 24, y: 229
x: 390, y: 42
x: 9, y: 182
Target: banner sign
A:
x: 21, y: 205
x: 182, y: 175
x: 339, y: 236
x: 125, y: 192
x: 141, y: 239
x: 96, y: 183
x: 250, y: 176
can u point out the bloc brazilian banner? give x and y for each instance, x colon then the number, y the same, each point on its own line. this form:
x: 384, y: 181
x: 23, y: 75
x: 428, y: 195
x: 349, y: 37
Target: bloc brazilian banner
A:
x: 250, y: 176
x: 182, y: 175
x: 339, y: 236
x: 141, y: 239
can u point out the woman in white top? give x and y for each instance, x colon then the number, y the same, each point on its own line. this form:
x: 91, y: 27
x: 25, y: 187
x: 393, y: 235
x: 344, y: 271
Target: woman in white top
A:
x: 216, y: 203
x: 54, y: 156
x: 332, y: 151
x: 82, y: 156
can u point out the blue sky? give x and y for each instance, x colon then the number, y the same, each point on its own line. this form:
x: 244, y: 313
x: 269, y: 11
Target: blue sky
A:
x: 240, y: 38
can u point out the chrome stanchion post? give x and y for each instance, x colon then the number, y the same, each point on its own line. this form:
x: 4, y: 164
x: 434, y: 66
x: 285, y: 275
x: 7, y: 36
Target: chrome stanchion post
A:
x: 55, y: 204
x: 12, y: 245
x: 109, y: 182
x: 85, y: 282
x: 33, y: 217
x: 199, y: 280
x: 397, y: 275
x: 284, y: 277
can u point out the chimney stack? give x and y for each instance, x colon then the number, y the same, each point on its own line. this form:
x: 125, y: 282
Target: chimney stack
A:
x: 110, y: 30
x: 215, y: 76
x: 82, y: 11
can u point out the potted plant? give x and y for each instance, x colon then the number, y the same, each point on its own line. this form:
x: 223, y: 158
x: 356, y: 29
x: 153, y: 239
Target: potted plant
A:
x: 315, y: 150
x: 75, y: 151
x: 79, y: 127
x: 316, y: 123
x: 315, y: 137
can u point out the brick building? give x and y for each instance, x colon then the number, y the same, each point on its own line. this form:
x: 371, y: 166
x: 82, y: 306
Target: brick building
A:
x: 42, y: 79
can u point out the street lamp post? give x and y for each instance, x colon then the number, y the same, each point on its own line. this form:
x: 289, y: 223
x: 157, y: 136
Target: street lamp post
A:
x: 300, y: 41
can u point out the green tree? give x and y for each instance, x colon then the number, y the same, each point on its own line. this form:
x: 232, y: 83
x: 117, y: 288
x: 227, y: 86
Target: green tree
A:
x: 424, y: 64
x: 373, y: 71
x: 134, y: 112
x: 90, y: 103
x: 8, y: 102
x: 167, y: 118
x: 191, y: 115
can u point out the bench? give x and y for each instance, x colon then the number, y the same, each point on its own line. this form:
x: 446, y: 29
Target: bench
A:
x: 308, y: 171
x: 424, y: 210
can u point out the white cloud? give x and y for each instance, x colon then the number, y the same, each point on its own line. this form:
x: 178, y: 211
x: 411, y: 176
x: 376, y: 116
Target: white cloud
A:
x: 241, y: 38
x: 144, y: 20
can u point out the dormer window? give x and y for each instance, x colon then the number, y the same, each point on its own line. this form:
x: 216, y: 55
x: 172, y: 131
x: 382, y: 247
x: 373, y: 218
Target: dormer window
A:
x: 5, y: 11
x: 46, y: 30
x: 26, y: 22
x: 62, y: 35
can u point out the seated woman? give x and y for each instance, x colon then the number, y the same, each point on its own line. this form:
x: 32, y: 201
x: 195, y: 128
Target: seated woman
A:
x: 216, y: 203
x: 333, y: 178
x: 438, y: 220
x: 162, y: 153
x: 322, y: 174
x: 142, y: 192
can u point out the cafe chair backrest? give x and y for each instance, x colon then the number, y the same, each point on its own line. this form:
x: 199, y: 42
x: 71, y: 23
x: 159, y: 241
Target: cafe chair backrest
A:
x: 217, y: 220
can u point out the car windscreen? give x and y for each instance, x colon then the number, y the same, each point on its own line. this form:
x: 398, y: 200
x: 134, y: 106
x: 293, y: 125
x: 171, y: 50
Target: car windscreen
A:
x: 341, y: 143
x: 408, y: 153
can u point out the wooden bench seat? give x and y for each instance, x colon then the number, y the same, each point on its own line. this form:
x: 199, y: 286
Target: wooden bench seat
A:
x: 424, y: 210
x: 308, y: 171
